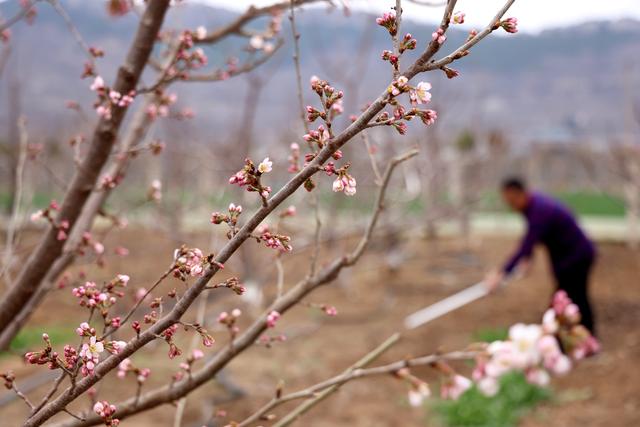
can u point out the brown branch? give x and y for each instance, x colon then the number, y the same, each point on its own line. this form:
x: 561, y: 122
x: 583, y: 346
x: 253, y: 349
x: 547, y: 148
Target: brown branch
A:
x: 173, y: 392
x: 462, y: 50
x: 18, y: 16
x: 245, y: 68
x: 236, y: 27
x: 167, y: 394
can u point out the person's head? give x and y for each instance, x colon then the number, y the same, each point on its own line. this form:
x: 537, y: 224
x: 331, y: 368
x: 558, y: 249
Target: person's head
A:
x: 515, y: 193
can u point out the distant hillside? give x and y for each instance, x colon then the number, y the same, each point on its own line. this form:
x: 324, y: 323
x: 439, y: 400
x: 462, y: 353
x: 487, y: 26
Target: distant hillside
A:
x: 559, y: 85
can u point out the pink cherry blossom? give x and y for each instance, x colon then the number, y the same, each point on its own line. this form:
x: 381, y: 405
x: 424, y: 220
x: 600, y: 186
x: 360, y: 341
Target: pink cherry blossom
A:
x: 272, y: 318
x: 455, y: 386
x: 265, y: 166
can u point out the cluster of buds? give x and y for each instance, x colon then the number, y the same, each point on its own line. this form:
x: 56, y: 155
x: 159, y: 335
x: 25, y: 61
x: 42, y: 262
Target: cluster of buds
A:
x: 439, y: 36
x: 318, y: 137
x: 45, y: 356
x: 418, y: 390
x: 47, y: 213
x: 575, y: 338
x: 330, y: 98
x: 407, y: 43
x: 458, y: 18
x: 388, y: 21
x: 207, y: 338
x: 70, y: 356
x: 417, y: 95
x: 249, y: 177
x: 268, y: 341
x: 510, y: 25
x: 109, y: 98
x: 106, y: 411
x: 229, y: 320
x: 387, y: 55
x: 428, y: 117
x: 167, y: 335
x: 231, y: 218
x: 89, y: 242
x: 344, y: 182
x: 161, y: 107
x: 126, y: 366
x: 186, y: 58
x: 189, y: 262
x: 273, y: 240
x: 103, y: 298
x: 272, y: 319
x: 232, y: 283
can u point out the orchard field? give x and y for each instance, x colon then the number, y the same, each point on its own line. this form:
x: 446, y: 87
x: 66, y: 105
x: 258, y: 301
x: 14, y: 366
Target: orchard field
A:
x: 372, y: 300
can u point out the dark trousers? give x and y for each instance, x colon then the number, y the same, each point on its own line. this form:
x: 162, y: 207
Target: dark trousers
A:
x: 574, y: 280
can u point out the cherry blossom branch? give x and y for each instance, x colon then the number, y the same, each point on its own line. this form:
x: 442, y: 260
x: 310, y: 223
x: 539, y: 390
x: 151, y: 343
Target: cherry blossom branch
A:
x: 174, y: 391
x: 290, y: 299
x: 24, y: 11
x: 309, y: 393
x: 245, y: 68
x: 249, y: 15
x: 464, y: 49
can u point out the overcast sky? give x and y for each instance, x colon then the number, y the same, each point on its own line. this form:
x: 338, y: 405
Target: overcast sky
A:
x: 533, y: 15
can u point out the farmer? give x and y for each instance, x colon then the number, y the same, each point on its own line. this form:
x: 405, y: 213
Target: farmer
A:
x: 549, y: 222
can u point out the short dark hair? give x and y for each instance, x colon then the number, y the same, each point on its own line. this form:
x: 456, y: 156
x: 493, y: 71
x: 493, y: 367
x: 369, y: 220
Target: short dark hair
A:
x: 514, y: 183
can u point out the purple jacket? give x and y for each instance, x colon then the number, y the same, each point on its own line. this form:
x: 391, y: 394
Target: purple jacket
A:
x: 551, y: 223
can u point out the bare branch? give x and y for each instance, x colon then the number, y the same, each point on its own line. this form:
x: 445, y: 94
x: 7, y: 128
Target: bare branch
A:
x: 170, y: 393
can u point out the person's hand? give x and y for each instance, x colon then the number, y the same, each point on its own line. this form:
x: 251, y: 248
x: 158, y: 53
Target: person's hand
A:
x: 493, y: 280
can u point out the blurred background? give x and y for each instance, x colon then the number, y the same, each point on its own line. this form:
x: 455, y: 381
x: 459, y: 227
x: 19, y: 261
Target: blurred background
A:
x: 558, y: 103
